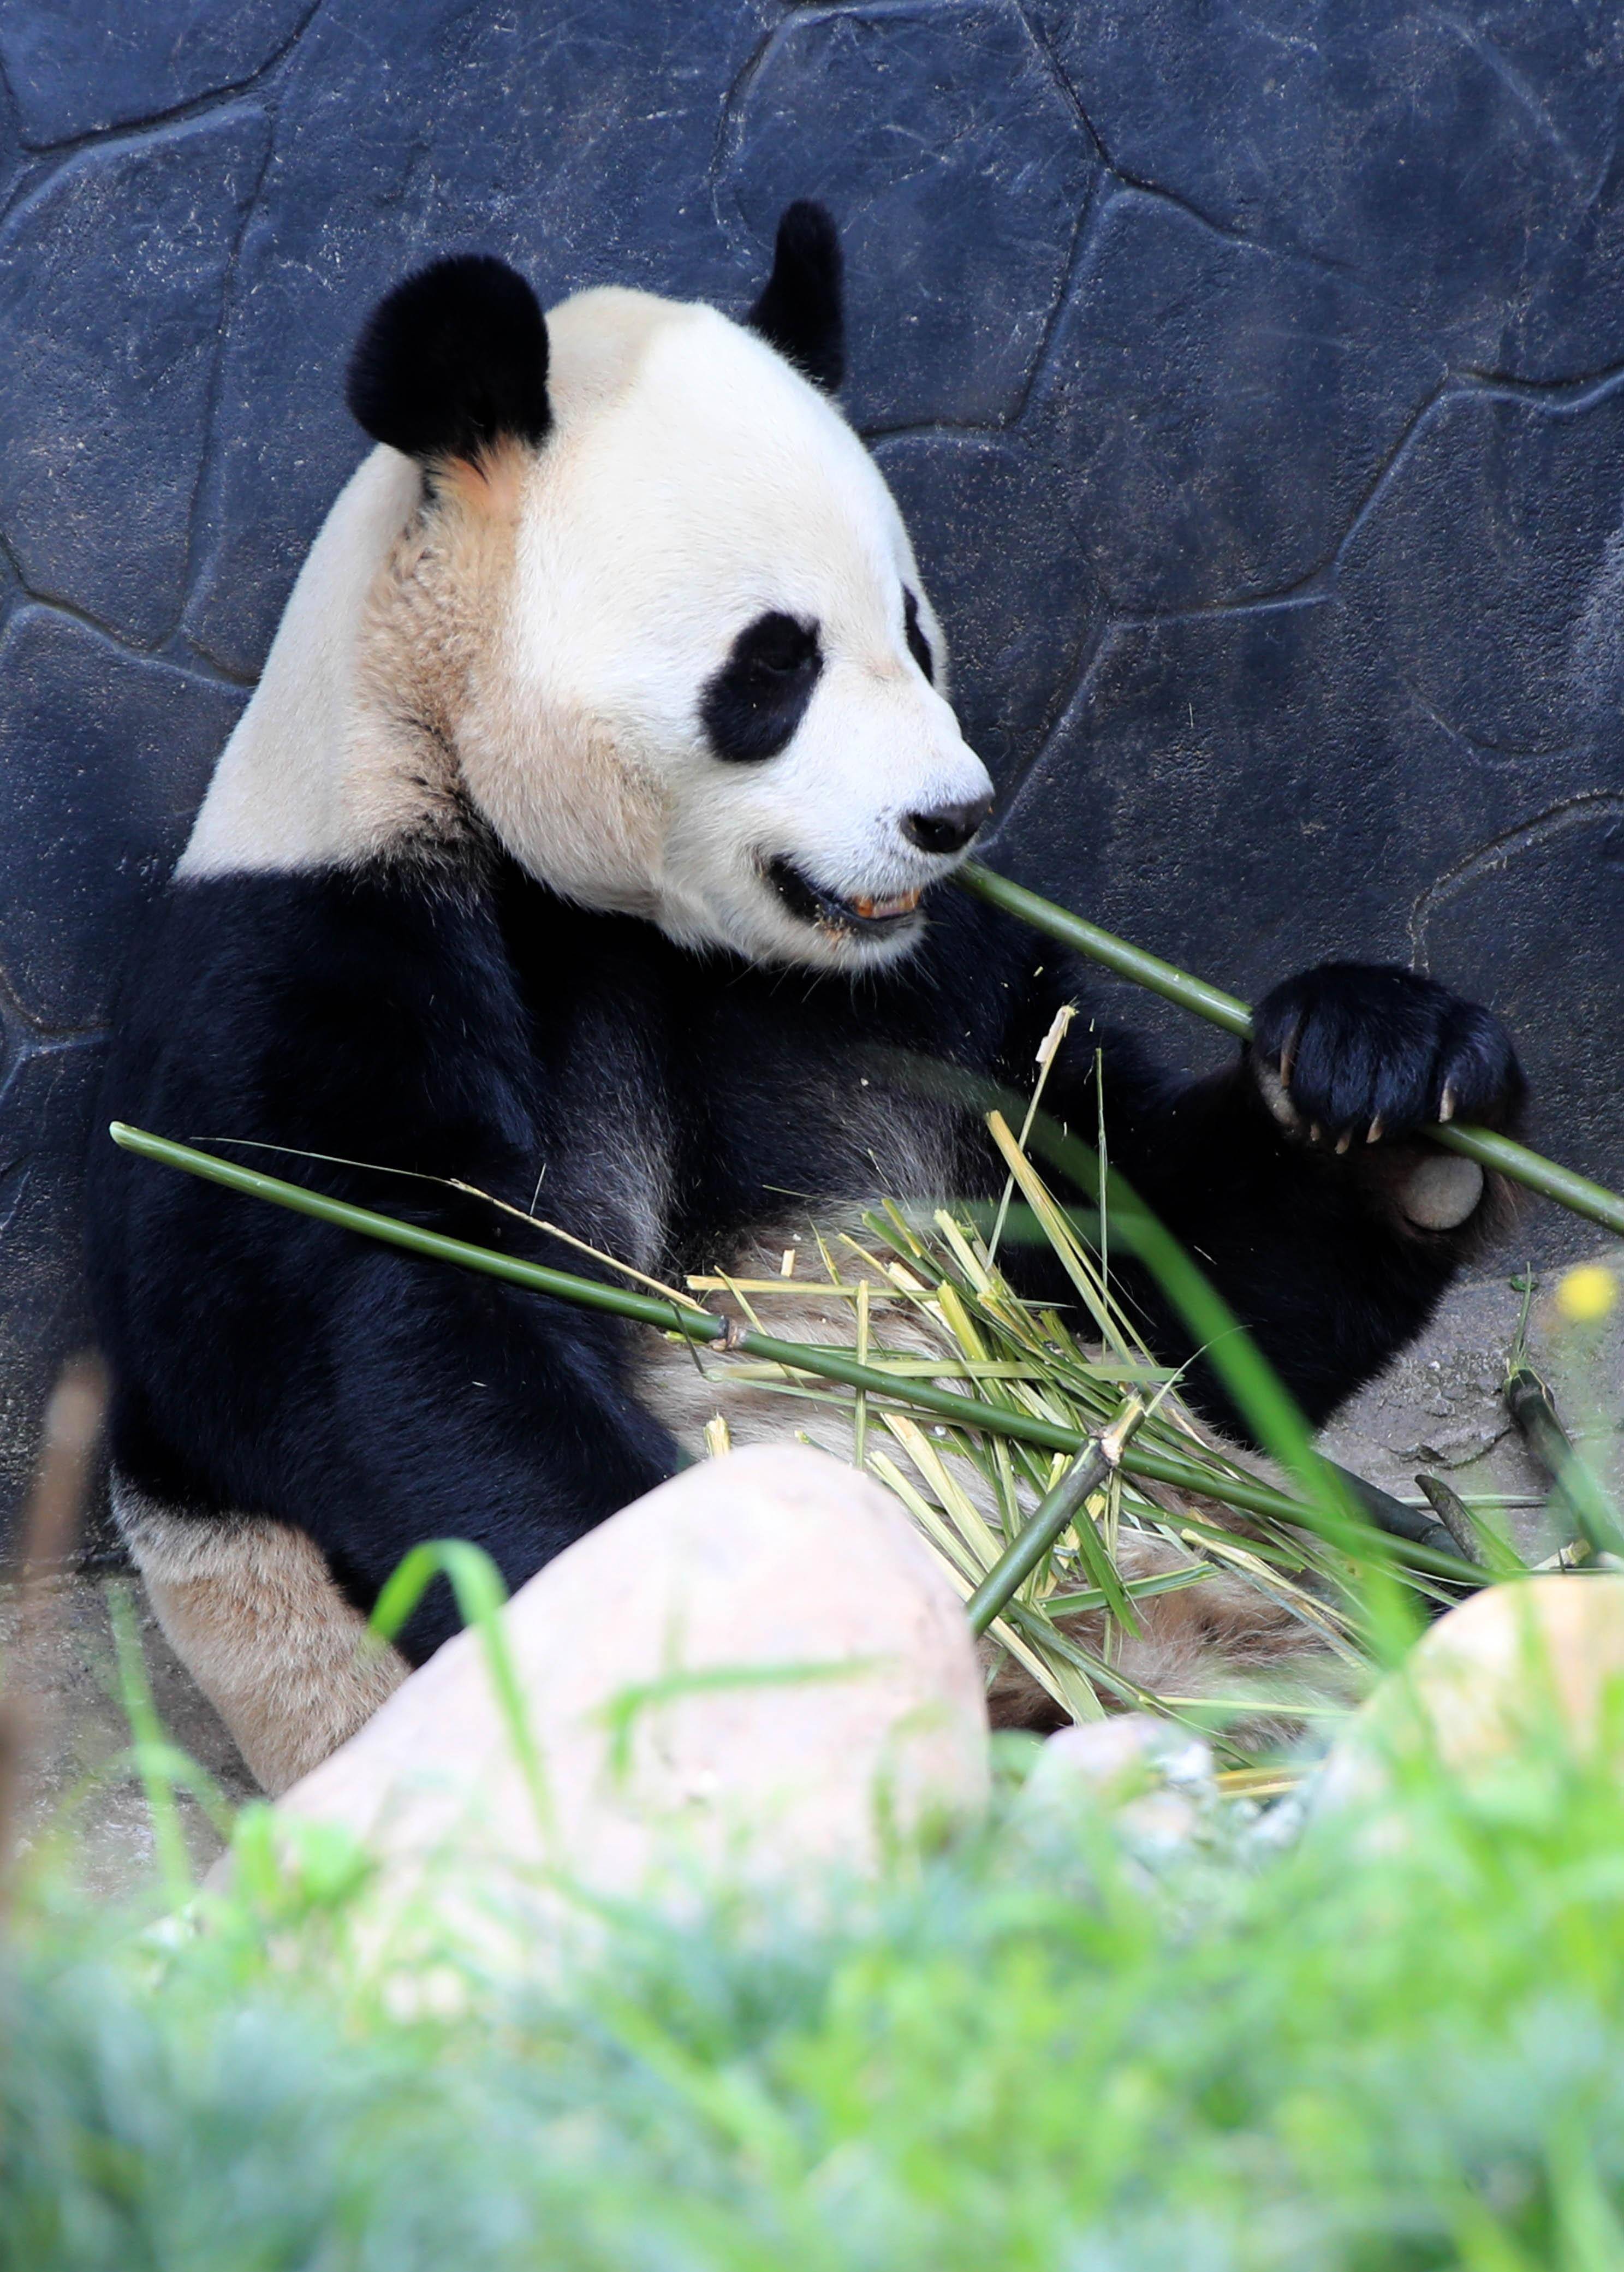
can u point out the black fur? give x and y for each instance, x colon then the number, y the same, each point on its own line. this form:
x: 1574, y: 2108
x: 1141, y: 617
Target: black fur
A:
x: 918, y: 645
x: 754, y: 705
x: 800, y: 310
x: 454, y: 1018
x: 1364, y: 1043
x: 453, y: 361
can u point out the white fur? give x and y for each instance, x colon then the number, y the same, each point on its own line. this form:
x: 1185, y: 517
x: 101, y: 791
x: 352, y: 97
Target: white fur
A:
x: 539, y: 643
x: 284, y: 791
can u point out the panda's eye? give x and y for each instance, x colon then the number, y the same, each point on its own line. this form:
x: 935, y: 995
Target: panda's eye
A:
x: 777, y: 645
x: 750, y: 708
x: 918, y: 645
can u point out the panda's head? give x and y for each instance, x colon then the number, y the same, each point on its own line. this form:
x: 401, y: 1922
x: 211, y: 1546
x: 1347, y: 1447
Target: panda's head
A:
x: 656, y: 606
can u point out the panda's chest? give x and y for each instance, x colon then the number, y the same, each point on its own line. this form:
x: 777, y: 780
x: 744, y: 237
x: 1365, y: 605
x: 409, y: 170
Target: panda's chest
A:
x: 691, y: 1099
x: 696, y: 1114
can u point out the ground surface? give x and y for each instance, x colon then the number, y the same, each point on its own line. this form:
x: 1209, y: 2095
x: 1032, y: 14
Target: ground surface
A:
x: 61, y: 1657
x: 1438, y: 1408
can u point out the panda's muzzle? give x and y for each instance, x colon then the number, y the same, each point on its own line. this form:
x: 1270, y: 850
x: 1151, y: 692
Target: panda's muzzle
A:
x: 809, y: 903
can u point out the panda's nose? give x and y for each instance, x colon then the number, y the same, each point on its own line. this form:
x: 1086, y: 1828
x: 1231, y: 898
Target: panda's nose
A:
x: 949, y: 828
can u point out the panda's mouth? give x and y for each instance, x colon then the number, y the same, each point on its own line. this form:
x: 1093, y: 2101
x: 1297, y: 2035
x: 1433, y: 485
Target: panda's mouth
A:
x: 809, y: 903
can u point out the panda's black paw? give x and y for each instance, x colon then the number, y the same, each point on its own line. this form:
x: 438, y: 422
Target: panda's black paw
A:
x: 1355, y: 1054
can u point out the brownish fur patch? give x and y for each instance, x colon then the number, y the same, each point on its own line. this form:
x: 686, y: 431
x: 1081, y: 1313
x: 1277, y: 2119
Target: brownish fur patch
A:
x: 431, y: 620
x: 251, y: 1609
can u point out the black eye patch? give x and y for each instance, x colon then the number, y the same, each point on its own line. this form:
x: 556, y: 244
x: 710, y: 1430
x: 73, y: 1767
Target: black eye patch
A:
x: 751, y: 708
x: 918, y: 645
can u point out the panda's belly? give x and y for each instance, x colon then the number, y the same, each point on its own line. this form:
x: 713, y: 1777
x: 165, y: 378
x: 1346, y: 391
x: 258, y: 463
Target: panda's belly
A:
x: 687, y: 1387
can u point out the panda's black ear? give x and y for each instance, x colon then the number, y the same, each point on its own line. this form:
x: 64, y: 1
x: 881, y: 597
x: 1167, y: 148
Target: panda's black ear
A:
x: 452, y: 361
x: 800, y: 311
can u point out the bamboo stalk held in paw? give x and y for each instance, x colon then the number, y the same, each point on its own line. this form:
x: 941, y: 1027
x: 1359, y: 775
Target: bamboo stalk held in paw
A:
x: 1508, y: 1158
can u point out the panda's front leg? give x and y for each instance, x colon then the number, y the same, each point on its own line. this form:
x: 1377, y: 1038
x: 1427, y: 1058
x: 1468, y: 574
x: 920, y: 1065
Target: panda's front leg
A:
x: 1354, y: 1059
x: 1303, y: 1181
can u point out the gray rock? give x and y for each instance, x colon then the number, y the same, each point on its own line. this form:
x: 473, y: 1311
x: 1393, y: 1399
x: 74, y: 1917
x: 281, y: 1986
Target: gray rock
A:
x: 1221, y: 410
x: 1479, y: 465
x: 77, y: 69
x: 112, y: 281
x: 758, y: 1671
x: 1121, y: 1755
x: 961, y: 174
x: 97, y: 820
x: 1447, y: 159
x: 1154, y: 1781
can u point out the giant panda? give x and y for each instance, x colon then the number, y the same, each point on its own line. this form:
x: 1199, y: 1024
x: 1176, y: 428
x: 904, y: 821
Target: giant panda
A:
x: 589, y: 835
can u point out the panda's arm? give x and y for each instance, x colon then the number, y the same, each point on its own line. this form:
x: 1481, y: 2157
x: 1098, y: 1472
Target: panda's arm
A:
x: 1332, y: 1248
x: 267, y: 1364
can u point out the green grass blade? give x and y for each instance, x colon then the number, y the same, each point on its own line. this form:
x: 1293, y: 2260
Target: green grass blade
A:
x: 480, y: 1596
x: 155, y: 1757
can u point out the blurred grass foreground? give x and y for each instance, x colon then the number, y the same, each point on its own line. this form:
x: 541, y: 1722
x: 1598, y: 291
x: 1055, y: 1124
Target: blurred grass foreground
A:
x: 1063, y: 2040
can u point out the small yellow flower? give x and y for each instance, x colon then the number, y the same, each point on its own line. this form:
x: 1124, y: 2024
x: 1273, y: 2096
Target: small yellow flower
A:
x: 1587, y: 1294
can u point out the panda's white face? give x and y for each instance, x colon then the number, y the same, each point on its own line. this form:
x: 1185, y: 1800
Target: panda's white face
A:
x: 710, y: 698
x: 626, y: 586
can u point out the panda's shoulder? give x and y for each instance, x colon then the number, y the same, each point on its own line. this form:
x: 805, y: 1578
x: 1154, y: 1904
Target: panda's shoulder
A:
x: 378, y: 993
x: 332, y: 936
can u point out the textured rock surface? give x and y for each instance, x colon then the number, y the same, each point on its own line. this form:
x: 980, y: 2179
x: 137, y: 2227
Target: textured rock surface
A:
x: 1252, y: 375
x: 76, y: 69
x: 759, y: 1666
x: 1506, y: 1676
x: 112, y: 276
x: 1440, y: 1408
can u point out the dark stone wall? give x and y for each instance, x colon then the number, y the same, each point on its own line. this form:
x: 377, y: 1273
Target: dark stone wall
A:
x: 1253, y: 375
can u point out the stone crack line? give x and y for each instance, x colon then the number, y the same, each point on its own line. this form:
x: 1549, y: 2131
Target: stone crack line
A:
x: 1524, y: 835
x: 154, y: 122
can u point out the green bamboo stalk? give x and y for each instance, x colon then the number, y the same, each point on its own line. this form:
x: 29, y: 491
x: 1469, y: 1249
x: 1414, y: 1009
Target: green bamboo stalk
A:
x: 1533, y: 1408
x: 1508, y: 1158
x: 701, y: 1325
x: 1049, y: 1519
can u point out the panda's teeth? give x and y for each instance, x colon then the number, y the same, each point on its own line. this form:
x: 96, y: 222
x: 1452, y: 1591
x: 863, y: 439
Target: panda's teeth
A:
x: 876, y: 910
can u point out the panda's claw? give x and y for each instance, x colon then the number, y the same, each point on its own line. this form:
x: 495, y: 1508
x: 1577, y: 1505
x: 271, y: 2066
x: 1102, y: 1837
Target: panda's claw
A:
x: 1352, y: 1055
